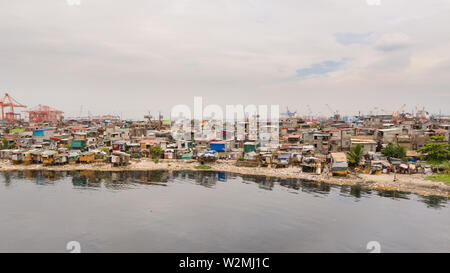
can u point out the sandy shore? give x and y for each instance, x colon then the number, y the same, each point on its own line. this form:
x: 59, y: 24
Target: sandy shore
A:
x: 415, y: 183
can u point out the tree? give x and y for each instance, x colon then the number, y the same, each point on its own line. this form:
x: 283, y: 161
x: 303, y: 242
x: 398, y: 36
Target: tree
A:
x: 5, y: 143
x: 355, y: 155
x: 437, y: 151
x: 395, y: 151
x: 156, y: 153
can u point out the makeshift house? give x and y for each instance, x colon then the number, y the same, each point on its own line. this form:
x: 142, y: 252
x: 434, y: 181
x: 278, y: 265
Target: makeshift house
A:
x: 36, y: 156
x: 48, y: 157
x: 282, y: 159
x: 147, y: 144
x: 120, y: 158
x: 133, y: 147
x: 339, y: 164
x: 16, y: 157
x: 86, y: 157
x: 119, y: 146
x: 220, y: 147
x: 389, y: 135
x: 45, y: 133
x: 5, y: 154
x: 266, y: 159
x: 311, y: 164
x: 368, y: 145
x: 78, y: 144
x: 26, y: 157
x: 249, y: 147
x: 251, y: 159
x: 294, y: 139
x: 61, y: 158
x: 73, y: 157
x: 308, y: 150
x: 208, y: 156
x: 169, y: 154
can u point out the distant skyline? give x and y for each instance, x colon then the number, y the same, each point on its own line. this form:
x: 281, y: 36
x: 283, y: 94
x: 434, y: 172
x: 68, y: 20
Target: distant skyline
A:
x: 131, y: 57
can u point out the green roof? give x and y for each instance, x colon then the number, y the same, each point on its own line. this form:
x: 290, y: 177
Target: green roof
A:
x: 78, y: 144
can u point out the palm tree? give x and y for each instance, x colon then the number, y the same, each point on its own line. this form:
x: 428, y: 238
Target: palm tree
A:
x: 355, y: 155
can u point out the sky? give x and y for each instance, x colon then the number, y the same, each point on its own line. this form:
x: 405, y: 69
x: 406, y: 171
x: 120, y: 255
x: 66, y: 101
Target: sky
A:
x: 130, y: 58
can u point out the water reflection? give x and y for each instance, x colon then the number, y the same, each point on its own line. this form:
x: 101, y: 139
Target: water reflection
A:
x: 126, y: 179
x: 433, y: 201
x: 394, y: 194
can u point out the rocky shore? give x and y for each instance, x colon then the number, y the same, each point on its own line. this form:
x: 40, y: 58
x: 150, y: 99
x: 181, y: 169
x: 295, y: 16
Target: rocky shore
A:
x: 415, y: 183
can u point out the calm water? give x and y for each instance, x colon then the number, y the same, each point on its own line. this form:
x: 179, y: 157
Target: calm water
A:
x: 160, y: 211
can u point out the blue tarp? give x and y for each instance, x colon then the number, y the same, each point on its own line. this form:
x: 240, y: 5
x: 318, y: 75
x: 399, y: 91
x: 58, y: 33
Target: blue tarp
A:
x: 218, y: 147
x: 38, y: 133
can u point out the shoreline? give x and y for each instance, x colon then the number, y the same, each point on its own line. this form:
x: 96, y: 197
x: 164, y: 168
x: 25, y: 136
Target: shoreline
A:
x: 414, y: 183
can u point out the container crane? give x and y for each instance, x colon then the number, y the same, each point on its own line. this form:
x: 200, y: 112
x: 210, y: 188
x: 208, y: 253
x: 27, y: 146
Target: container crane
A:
x: 9, y: 102
x: 399, y: 111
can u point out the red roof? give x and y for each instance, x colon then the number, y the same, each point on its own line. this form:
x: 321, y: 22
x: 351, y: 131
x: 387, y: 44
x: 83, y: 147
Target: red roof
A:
x: 148, y: 141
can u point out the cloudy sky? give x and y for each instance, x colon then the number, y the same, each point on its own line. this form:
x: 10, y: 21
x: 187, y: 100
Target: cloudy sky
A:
x: 131, y: 57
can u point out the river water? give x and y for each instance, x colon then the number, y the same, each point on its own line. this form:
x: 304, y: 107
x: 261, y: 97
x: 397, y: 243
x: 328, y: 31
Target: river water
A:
x: 160, y: 211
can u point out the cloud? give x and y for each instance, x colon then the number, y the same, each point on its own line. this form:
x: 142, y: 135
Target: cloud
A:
x: 348, y: 38
x: 322, y: 68
x: 392, y: 42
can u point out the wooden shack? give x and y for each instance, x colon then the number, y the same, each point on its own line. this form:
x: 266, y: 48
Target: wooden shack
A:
x: 16, y: 157
x: 48, y: 157
x: 120, y: 159
x: 87, y: 157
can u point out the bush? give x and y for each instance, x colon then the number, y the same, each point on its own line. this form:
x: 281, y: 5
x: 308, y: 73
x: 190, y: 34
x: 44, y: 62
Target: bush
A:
x: 436, y: 152
x: 156, y: 153
x: 394, y: 151
x: 203, y: 167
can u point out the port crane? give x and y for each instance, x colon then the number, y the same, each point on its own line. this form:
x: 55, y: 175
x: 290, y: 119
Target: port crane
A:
x: 399, y: 111
x: 8, y: 104
x: 334, y: 114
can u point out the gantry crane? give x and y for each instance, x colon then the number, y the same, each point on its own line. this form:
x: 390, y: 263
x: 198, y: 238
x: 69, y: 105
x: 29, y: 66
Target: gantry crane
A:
x: 9, y: 102
x: 44, y: 113
x: 399, y: 111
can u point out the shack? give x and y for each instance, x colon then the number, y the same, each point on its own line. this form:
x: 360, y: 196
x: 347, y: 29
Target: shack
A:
x: 86, y: 157
x: 120, y: 158
x: 73, y: 157
x: 339, y: 165
x: 16, y: 157
x: 78, y: 144
x: 48, y: 157
x: 249, y: 147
